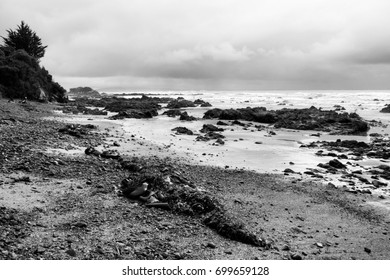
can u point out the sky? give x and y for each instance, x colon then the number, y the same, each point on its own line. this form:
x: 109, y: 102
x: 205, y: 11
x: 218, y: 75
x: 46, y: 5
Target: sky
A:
x: 140, y: 45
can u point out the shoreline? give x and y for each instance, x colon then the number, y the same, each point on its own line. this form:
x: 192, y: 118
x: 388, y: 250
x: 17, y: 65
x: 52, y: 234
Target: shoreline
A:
x: 300, y: 219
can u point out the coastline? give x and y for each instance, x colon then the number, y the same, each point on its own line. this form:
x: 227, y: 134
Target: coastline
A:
x: 299, y: 218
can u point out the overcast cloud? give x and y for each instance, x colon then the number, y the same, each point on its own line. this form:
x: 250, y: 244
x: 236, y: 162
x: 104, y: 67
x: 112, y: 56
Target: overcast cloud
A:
x: 210, y: 44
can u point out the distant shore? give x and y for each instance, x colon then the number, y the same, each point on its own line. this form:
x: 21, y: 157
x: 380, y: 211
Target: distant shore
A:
x: 66, y: 206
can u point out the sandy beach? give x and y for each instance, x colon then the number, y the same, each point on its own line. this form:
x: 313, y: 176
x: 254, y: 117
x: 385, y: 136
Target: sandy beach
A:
x: 59, y: 203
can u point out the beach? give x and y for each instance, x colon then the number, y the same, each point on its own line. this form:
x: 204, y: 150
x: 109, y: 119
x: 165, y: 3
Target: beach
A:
x: 60, y: 203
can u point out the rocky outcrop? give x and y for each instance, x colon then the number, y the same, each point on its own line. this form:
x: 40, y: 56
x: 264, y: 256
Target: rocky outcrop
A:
x: 202, y: 103
x: 386, y: 109
x: 185, y: 117
x: 302, y: 119
x: 172, y: 113
x: 85, y: 92
x: 180, y: 103
x: 210, y: 128
x: 182, y: 130
x: 135, y: 114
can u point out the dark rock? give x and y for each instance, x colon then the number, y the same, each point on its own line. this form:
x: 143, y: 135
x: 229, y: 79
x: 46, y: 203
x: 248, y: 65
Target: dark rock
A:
x: 185, y: 117
x: 336, y: 164
x: 206, y: 104
x: 221, y: 123
x: 202, y: 103
x: 210, y: 128
x: 211, y: 245
x: 296, y: 257
x: 180, y: 103
x: 214, y: 135
x: 92, y: 151
x: 367, y: 250
x: 288, y: 170
x: 135, y: 114
x: 129, y: 105
x: 182, y: 130
x: 77, y: 130
x: 386, y: 109
x: 302, y: 119
x: 172, y: 113
x: 71, y: 252
x: 235, y: 122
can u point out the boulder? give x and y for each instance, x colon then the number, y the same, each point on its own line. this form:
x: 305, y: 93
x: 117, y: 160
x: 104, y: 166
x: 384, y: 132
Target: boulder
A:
x: 135, y: 114
x: 209, y: 127
x: 180, y: 103
x: 182, y: 130
x: 185, y: 117
x: 172, y: 113
x: 386, y: 109
x: 336, y: 164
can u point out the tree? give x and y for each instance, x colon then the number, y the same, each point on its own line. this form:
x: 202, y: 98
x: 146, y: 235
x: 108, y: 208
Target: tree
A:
x: 24, y: 38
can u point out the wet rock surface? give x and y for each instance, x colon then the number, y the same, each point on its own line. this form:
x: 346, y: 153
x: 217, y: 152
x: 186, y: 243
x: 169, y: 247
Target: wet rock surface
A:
x: 302, y: 119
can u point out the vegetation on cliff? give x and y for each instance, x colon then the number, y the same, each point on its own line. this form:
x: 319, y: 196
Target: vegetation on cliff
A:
x: 21, y: 76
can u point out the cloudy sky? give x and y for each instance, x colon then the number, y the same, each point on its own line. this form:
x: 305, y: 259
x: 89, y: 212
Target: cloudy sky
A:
x: 129, y: 45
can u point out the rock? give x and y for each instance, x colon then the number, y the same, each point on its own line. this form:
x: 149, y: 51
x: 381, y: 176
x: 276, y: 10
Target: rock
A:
x: 221, y: 123
x: 172, y: 113
x: 319, y: 245
x: 206, y: 104
x: 77, y: 130
x: 211, y: 245
x: 302, y: 119
x: 135, y: 114
x: 235, y: 122
x: 296, y: 257
x: 367, y: 250
x: 210, y: 128
x: 110, y: 154
x: 336, y: 164
x: 185, y: 117
x: 258, y: 142
x: 288, y: 170
x: 182, y: 130
x: 92, y: 151
x: 285, y: 247
x: 386, y: 109
x: 40, y: 250
x: 71, y: 252
x: 180, y: 103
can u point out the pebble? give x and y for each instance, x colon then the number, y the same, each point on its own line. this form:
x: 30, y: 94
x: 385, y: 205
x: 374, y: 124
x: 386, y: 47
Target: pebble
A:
x: 71, y: 252
x: 296, y: 257
x: 286, y: 248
